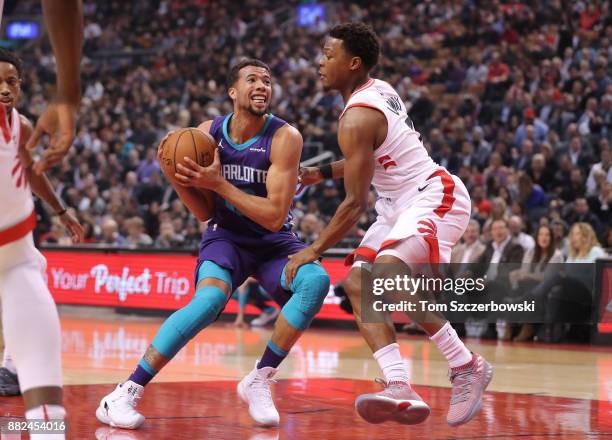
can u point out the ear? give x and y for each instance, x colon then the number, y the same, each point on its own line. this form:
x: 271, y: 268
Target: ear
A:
x: 232, y: 93
x: 355, y: 63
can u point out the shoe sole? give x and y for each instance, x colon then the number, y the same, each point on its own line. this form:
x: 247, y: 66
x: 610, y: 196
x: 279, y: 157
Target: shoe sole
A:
x: 378, y: 409
x: 476, y: 408
x: 242, y: 395
x: 103, y: 417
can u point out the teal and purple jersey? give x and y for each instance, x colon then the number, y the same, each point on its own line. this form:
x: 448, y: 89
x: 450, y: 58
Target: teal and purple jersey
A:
x: 232, y: 240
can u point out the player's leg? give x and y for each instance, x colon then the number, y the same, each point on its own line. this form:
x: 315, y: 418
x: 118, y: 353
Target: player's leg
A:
x: 308, y: 290
x: 470, y: 373
x: 32, y: 336
x: 397, y: 401
x: 212, y: 292
x: 378, y: 334
x: 9, y: 382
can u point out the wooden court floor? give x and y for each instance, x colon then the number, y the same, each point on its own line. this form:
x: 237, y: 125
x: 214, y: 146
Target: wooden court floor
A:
x: 538, y: 392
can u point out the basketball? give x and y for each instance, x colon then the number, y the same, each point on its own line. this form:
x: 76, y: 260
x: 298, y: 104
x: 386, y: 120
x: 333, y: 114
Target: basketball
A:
x: 190, y: 142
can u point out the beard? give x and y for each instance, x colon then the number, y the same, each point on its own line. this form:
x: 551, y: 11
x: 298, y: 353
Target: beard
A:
x: 257, y: 112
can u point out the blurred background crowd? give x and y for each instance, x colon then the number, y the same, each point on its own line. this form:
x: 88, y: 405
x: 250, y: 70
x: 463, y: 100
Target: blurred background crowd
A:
x: 515, y: 98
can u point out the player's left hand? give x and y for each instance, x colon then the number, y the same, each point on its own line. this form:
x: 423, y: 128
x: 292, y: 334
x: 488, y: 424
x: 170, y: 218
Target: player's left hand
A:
x: 198, y: 176
x: 72, y: 225
x: 59, y: 122
x: 305, y: 256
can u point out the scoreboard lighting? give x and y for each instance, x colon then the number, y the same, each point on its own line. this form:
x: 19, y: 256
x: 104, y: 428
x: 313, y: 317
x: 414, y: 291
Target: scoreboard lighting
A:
x: 22, y: 30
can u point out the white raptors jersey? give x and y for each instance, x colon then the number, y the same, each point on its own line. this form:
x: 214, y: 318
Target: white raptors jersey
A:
x: 402, y: 162
x: 16, y: 203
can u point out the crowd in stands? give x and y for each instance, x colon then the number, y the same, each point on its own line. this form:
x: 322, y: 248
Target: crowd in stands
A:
x: 515, y: 98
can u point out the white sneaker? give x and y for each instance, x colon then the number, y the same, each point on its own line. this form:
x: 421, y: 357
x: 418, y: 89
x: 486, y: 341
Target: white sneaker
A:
x: 265, y: 318
x: 254, y: 390
x: 117, y: 409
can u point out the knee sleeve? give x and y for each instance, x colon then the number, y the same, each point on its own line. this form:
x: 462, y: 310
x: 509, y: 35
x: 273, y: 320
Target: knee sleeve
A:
x: 31, y: 327
x: 310, y: 287
x: 206, y: 305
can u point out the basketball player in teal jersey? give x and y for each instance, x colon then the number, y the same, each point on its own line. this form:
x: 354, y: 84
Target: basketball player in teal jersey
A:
x: 253, y: 176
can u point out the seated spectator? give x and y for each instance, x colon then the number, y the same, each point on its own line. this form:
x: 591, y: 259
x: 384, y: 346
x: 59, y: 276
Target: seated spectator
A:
x: 109, y: 233
x: 136, y: 236
x: 168, y: 238
x: 582, y: 213
x: 515, y: 225
x: 570, y: 297
x: 535, y: 269
x: 496, y: 262
x: 309, y: 228
x: 539, y: 127
x: 470, y: 249
x: 604, y: 167
x: 540, y: 173
x: 601, y: 204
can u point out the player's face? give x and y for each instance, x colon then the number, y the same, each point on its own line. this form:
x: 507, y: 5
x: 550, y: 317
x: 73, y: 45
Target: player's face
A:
x: 10, y: 85
x: 334, y: 64
x: 253, y: 90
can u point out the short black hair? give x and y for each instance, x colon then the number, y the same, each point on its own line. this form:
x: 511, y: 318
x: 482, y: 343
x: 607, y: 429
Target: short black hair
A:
x: 234, y: 72
x: 359, y: 40
x: 11, y: 57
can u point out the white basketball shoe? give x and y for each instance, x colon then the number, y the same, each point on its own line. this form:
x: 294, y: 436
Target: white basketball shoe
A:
x: 118, y: 408
x: 254, y: 390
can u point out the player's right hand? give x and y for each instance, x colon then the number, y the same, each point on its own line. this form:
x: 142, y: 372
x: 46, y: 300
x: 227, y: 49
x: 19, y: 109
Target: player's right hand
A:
x: 59, y: 122
x: 309, y: 176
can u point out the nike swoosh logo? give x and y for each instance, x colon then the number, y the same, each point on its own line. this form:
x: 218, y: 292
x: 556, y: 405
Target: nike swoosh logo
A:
x: 424, y: 188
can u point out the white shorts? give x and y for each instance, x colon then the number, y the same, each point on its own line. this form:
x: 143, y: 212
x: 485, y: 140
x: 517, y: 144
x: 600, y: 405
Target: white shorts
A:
x: 439, y: 213
x: 21, y: 251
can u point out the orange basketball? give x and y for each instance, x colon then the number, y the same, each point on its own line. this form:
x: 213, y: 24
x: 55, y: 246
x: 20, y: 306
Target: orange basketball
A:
x: 194, y: 143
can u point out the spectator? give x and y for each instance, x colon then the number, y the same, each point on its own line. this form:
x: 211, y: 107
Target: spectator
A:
x: 582, y: 213
x: 515, y: 225
x: 309, y: 229
x: 109, y: 233
x: 136, y: 236
x: 539, y: 263
x: 470, y: 249
x: 539, y: 127
x: 496, y: 261
x: 168, y: 238
x: 604, y: 167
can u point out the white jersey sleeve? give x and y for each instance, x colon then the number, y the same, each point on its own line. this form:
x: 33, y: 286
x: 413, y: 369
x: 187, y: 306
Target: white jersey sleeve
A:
x: 401, y: 160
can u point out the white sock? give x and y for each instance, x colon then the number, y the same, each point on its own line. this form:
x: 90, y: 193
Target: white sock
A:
x: 8, y: 363
x: 451, y: 346
x: 391, y: 363
x: 46, y: 413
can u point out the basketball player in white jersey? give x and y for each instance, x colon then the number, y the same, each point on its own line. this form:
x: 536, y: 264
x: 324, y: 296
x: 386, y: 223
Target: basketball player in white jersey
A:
x: 422, y: 212
x: 30, y: 321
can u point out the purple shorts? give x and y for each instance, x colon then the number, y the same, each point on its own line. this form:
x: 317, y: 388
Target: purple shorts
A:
x: 262, y: 257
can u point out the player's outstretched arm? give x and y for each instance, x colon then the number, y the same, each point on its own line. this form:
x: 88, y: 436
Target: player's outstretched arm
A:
x: 357, y: 136
x: 313, y: 175
x: 42, y: 187
x: 64, y: 20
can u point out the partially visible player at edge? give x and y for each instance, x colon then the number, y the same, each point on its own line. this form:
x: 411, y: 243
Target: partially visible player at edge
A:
x: 422, y: 212
x: 253, y: 176
x: 31, y: 323
x: 64, y: 23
